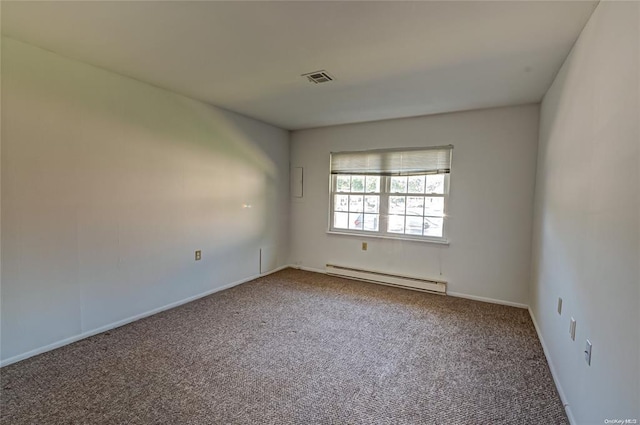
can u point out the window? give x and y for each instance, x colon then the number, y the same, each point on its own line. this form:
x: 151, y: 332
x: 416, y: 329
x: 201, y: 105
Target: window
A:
x: 399, y: 194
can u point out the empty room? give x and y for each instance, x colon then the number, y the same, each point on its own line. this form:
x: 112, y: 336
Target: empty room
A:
x: 320, y: 212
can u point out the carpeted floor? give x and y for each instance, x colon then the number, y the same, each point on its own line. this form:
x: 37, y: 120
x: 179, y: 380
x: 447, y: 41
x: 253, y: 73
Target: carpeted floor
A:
x: 297, y: 348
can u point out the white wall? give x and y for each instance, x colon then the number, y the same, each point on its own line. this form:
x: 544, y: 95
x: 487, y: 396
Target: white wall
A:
x: 587, y: 219
x: 490, y: 205
x: 109, y: 185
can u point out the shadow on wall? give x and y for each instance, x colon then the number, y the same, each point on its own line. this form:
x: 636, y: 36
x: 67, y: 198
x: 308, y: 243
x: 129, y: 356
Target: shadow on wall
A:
x: 157, y: 141
x: 109, y: 185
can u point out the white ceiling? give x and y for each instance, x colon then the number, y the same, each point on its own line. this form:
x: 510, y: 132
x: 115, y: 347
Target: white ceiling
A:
x: 390, y: 59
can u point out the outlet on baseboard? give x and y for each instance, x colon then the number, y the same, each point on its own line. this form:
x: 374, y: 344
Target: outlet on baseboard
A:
x: 198, y: 255
x: 560, y: 306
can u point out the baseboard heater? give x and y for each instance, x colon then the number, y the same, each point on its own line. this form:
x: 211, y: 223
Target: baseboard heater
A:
x: 414, y: 283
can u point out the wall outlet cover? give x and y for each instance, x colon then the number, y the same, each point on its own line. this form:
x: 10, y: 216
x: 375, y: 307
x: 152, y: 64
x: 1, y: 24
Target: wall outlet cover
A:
x: 572, y: 329
x: 560, y: 306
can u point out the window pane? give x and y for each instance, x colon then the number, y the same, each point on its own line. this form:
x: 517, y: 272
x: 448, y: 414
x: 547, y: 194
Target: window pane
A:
x: 357, y: 183
x: 434, y: 205
x: 398, y: 185
x: 340, y: 220
x: 343, y: 183
x: 416, y: 184
x: 341, y: 203
x: 435, y: 183
x: 371, y: 222
x: 396, y: 224
x: 433, y: 226
x: 355, y: 203
x: 396, y: 204
x: 373, y: 184
x: 371, y: 204
x: 414, y: 225
x: 415, y: 205
x: 355, y: 221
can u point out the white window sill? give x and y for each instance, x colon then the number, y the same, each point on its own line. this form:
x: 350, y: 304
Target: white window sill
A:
x: 393, y: 238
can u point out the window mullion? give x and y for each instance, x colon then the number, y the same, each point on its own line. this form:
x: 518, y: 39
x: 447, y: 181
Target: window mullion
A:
x: 385, y: 185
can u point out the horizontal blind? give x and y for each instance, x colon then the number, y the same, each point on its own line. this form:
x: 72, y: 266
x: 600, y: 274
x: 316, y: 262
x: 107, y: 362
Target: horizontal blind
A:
x: 436, y: 160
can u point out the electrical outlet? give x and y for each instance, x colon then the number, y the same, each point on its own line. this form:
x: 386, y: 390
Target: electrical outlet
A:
x: 560, y: 306
x: 198, y: 255
x: 572, y: 329
x: 364, y: 246
x: 587, y: 353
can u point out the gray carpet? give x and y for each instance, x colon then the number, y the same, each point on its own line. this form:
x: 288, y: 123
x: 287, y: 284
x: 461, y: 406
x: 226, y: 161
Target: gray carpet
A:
x: 297, y: 348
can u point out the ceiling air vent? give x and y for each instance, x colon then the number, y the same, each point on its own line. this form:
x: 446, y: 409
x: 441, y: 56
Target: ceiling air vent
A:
x: 318, y: 77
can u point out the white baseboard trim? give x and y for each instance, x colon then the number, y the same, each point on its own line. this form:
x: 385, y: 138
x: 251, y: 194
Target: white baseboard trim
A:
x: 128, y: 320
x: 453, y: 294
x: 561, y: 392
x: 131, y: 319
x: 487, y: 300
x: 308, y: 269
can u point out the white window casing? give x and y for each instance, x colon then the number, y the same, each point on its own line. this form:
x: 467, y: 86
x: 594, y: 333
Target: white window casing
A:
x: 412, y: 193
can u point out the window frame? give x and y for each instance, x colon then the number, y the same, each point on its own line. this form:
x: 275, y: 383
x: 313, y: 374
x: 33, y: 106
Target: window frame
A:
x: 383, y: 210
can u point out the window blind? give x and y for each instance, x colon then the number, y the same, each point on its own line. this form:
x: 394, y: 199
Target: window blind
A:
x: 400, y: 162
